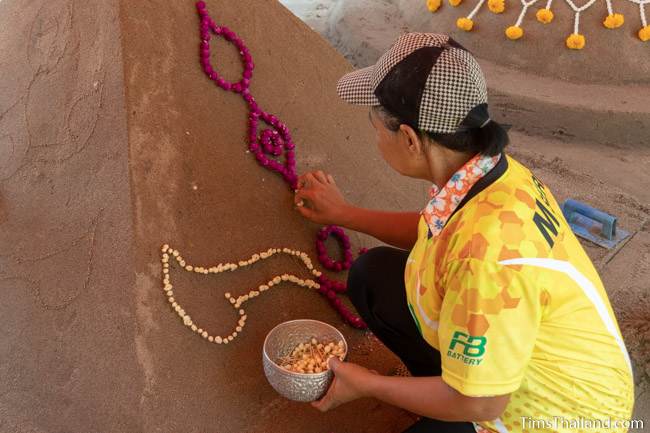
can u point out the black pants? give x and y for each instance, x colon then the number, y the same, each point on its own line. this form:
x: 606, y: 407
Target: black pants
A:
x: 376, y: 288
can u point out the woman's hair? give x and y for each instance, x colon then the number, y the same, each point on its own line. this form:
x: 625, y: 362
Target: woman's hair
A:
x: 489, y: 139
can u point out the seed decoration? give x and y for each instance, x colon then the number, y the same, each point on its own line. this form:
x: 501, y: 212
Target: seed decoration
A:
x: 237, y: 302
x: 312, y: 357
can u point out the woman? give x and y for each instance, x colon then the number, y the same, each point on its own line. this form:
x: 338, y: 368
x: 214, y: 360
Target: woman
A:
x: 489, y: 299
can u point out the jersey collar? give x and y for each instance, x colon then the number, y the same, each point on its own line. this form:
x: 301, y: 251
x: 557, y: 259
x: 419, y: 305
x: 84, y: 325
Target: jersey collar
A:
x: 444, y: 201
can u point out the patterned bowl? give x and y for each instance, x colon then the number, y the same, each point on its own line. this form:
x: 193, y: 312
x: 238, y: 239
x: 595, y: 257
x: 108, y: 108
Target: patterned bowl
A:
x: 280, y: 341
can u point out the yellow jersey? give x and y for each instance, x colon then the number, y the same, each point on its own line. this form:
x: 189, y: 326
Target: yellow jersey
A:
x: 509, y: 297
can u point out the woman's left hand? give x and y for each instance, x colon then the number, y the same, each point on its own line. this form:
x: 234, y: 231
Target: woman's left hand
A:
x: 348, y: 385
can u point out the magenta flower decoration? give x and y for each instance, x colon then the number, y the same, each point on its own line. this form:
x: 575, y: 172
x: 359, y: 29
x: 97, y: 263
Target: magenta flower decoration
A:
x: 343, y: 239
x: 272, y: 142
x: 275, y: 138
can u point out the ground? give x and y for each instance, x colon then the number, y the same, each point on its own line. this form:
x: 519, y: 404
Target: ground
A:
x: 113, y: 142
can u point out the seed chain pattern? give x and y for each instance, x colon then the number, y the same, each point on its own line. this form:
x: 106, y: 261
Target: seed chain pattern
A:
x: 575, y: 40
x: 323, y: 285
x: 272, y: 141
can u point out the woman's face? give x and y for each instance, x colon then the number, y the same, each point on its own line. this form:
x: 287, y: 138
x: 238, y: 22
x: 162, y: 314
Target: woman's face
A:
x: 401, y: 149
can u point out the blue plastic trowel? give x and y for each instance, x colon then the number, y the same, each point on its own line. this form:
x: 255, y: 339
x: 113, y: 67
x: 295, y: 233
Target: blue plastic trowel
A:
x: 593, y: 224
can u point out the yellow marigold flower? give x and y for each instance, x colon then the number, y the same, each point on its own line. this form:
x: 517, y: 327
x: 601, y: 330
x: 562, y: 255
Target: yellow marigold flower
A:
x: 575, y: 41
x: 455, y: 3
x: 497, y: 6
x: 545, y: 16
x: 514, y: 32
x: 465, y: 24
x: 644, y: 34
x: 613, y: 21
x: 434, y: 5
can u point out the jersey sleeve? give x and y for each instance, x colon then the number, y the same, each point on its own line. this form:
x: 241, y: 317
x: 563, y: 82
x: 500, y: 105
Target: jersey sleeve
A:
x: 489, y: 319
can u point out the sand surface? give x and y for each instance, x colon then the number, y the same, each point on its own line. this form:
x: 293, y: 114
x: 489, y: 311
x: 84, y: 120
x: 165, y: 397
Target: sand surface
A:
x: 113, y: 142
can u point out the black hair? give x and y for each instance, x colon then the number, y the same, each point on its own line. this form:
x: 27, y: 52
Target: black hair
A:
x: 472, y: 137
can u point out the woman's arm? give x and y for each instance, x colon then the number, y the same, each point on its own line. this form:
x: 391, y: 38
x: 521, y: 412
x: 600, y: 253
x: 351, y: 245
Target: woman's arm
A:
x: 319, y: 199
x: 433, y: 398
x: 399, y: 229
x: 426, y: 396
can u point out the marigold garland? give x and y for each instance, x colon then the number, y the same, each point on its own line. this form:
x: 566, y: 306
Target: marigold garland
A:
x: 644, y: 34
x: 514, y: 32
x: 544, y: 16
x: 613, y: 21
x: 497, y: 6
x: 575, y: 41
x: 465, y: 24
x: 434, y: 5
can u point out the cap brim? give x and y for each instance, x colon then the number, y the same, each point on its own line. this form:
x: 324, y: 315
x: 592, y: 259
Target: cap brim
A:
x: 356, y: 87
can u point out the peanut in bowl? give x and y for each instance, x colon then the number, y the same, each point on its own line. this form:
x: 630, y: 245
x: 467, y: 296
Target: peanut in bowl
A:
x: 282, y: 368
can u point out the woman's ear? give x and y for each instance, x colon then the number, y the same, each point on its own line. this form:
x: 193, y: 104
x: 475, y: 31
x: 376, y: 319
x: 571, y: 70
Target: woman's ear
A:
x: 415, y: 144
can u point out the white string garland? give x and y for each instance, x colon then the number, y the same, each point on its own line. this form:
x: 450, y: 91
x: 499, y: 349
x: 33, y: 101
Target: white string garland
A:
x: 642, y: 10
x: 524, y: 9
x: 577, y: 10
x: 476, y: 9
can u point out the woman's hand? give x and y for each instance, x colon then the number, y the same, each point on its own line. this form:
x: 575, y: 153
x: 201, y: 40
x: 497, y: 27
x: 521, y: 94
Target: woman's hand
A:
x: 319, y: 199
x: 347, y: 384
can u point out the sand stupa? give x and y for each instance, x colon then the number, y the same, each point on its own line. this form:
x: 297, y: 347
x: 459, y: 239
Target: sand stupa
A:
x: 113, y: 141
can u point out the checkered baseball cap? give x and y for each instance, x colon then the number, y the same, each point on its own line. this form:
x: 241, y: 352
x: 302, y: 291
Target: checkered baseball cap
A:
x: 429, y: 81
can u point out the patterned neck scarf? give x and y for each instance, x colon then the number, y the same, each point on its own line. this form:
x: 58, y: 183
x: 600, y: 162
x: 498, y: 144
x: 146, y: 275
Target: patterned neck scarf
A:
x: 443, y: 202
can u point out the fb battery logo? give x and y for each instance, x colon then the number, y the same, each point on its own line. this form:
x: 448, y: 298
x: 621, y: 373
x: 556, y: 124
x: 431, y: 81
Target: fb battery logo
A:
x: 467, y: 348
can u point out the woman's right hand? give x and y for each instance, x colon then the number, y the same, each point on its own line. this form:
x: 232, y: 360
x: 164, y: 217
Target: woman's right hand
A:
x: 319, y: 199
